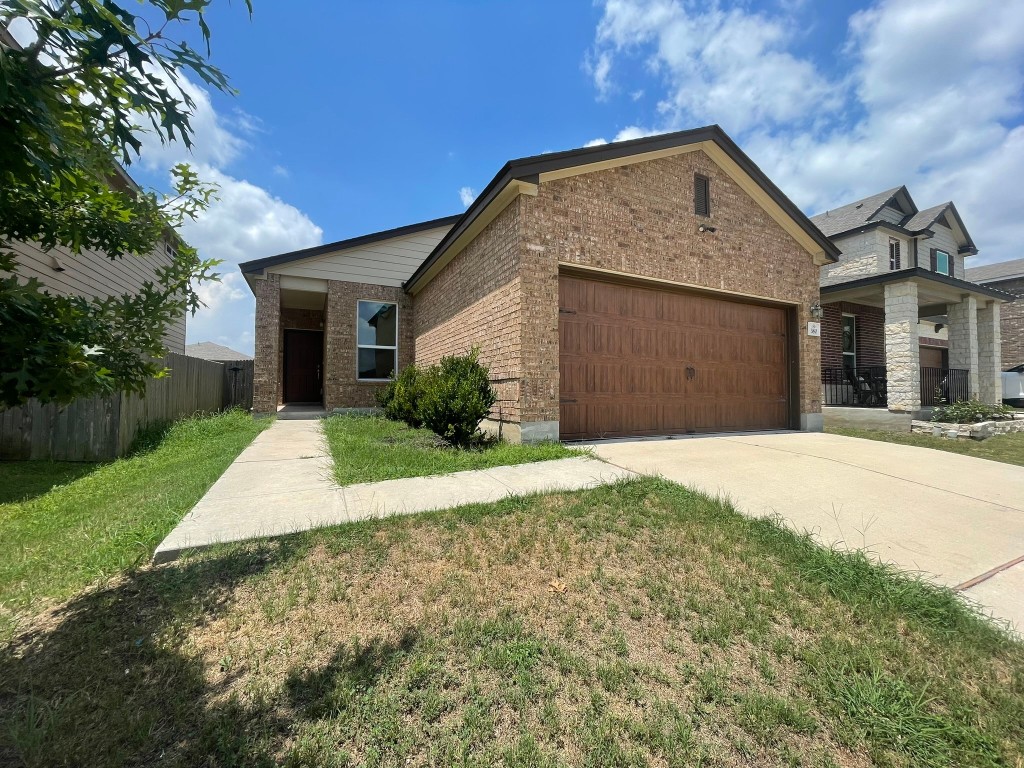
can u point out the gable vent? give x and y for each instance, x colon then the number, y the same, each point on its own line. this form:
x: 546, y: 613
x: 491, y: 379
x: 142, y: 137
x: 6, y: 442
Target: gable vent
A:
x: 701, y: 195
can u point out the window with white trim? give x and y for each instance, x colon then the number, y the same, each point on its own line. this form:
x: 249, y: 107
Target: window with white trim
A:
x: 376, y: 340
x: 849, y: 341
x: 894, y: 253
x: 942, y: 262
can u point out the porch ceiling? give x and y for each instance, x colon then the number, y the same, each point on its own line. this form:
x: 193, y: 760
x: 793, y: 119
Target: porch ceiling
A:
x: 295, y: 299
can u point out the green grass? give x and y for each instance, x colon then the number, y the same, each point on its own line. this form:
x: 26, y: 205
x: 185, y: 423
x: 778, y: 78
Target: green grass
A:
x: 1008, y: 449
x: 369, y: 448
x: 67, y: 525
x: 629, y: 625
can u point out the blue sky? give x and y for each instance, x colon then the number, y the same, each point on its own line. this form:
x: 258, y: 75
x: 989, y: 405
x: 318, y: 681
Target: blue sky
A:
x: 355, y: 117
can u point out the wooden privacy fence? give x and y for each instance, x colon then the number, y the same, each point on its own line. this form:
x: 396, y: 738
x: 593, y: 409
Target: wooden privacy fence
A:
x: 103, y: 428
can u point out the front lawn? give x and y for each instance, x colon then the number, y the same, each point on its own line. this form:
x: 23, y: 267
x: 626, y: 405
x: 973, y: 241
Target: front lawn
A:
x: 629, y: 625
x: 371, y: 448
x: 65, y: 525
x: 1006, y: 448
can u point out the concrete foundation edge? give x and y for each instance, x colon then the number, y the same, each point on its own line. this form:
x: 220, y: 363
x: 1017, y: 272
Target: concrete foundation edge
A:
x: 524, y: 432
x: 812, y: 422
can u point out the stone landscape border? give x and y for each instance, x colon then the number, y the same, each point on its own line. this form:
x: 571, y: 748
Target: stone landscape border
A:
x: 979, y: 431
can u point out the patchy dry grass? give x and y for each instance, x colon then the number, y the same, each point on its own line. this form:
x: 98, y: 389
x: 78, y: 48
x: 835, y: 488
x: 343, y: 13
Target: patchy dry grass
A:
x: 637, y: 624
x: 367, y: 449
x: 1008, y: 449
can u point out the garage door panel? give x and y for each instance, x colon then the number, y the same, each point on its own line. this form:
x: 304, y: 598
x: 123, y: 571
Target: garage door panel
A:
x: 639, y: 361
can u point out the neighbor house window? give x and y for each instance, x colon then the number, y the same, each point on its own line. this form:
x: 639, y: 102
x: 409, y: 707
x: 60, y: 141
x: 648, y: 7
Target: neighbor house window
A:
x: 376, y: 340
x: 941, y: 262
x: 849, y: 341
x: 701, y: 195
x: 894, y: 253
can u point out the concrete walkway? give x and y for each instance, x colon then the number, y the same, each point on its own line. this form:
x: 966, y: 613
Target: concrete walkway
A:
x: 955, y: 518
x: 283, y: 483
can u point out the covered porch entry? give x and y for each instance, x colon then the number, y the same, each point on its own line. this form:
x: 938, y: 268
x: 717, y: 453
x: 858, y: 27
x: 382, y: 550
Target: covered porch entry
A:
x: 908, y: 340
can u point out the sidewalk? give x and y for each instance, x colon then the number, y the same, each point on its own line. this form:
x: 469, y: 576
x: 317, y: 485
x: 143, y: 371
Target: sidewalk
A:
x: 283, y: 483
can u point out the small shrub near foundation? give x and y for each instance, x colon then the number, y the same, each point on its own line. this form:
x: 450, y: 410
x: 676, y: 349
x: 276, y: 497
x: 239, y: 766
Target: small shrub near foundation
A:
x: 970, y: 412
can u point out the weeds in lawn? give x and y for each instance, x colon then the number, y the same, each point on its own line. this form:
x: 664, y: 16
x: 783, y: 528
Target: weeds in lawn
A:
x: 438, y: 639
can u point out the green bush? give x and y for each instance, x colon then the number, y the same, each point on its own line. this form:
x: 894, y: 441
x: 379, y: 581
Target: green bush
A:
x: 970, y: 412
x: 454, y: 396
x: 400, y: 398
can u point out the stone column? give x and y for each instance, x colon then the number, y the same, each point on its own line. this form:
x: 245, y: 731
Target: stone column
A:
x: 268, y: 335
x: 902, y: 356
x: 963, y: 340
x: 990, y: 380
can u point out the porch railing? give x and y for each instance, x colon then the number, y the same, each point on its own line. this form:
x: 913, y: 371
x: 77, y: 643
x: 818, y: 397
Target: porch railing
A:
x: 941, y: 386
x: 866, y: 386
x: 863, y: 386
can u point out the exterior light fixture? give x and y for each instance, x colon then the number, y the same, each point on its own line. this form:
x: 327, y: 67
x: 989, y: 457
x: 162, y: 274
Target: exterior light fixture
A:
x: 817, y: 312
x: 705, y: 228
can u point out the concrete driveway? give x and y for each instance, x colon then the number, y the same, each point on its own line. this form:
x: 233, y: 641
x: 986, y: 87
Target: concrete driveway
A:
x: 955, y: 518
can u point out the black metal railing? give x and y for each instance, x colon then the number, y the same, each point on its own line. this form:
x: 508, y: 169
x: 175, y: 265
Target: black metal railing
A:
x: 864, y: 386
x: 940, y: 386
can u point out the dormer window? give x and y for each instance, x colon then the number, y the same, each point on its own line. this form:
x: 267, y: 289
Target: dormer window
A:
x: 894, y: 253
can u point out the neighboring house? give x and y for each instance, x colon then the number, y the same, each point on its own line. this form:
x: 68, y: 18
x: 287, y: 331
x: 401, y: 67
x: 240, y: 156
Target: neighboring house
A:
x: 661, y: 285
x: 92, y: 274
x: 902, y: 327
x: 207, y: 350
x: 1006, y: 276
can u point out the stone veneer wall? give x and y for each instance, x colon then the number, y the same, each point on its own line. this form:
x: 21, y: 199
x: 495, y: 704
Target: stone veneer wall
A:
x: 476, y: 301
x: 902, y: 352
x: 870, y: 334
x: 639, y: 220
x: 990, y: 381
x: 341, y: 387
x: 266, y: 385
x: 963, y: 339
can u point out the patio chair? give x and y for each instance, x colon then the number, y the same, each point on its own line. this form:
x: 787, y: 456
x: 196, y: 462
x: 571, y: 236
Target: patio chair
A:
x: 862, y: 392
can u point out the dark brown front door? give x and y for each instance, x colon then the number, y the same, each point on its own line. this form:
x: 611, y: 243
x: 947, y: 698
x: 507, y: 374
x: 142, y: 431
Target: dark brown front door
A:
x: 303, y: 366
x: 642, y: 361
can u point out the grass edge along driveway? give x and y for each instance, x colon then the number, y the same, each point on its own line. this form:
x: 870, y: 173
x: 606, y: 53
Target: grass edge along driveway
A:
x: 1008, y: 449
x: 369, y: 449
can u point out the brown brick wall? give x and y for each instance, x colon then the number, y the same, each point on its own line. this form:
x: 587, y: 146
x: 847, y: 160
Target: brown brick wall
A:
x: 870, y: 334
x: 475, y: 300
x: 268, y: 340
x: 341, y: 387
x: 639, y: 220
x: 1011, y: 324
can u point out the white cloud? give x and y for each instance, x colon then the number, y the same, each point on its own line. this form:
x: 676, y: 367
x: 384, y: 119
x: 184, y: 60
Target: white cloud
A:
x: 467, y: 195
x: 246, y: 223
x: 280, y: 170
x: 931, y: 98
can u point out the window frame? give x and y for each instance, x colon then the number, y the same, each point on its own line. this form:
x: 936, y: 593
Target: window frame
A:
x: 842, y: 332
x: 949, y: 262
x: 894, y: 254
x: 359, y: 346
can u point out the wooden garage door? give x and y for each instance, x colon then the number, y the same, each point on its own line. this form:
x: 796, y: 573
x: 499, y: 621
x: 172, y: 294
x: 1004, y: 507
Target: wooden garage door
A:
x: 641, y: 361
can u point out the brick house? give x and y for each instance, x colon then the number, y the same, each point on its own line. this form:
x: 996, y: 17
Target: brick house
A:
x: 902, y: 328
x: 1006, y: 276
x: 655, y: 286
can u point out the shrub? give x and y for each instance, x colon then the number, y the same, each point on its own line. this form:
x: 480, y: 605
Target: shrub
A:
x: 454, y: 396
x: 970, y: 412
x: 400, y: 398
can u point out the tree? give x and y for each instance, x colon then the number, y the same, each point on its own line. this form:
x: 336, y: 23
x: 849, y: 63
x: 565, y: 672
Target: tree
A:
x: 74, y: 100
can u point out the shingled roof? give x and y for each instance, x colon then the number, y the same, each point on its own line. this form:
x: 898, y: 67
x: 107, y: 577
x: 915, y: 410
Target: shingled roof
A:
x: 207, y: 350
x: 852, y: 215
x: 993, y: 273
x: 864, y: 213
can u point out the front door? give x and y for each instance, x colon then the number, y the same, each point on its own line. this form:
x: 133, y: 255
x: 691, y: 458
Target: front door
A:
x: 303, y: 366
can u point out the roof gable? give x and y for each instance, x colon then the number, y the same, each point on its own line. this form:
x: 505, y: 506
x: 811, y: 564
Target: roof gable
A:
x: 523, y: 175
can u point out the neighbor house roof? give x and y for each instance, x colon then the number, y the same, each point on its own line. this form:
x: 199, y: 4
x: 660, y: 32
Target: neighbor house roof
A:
x: 863, y: 214
x: 993, y: 273
x: 258, y: 265
x: 524, y: 174
x: 207, y: 350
